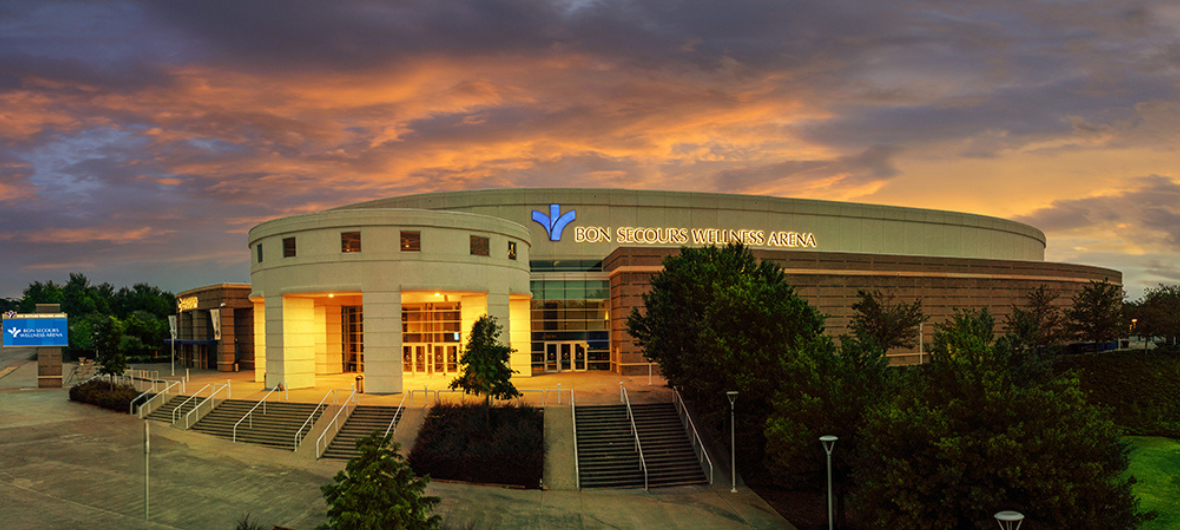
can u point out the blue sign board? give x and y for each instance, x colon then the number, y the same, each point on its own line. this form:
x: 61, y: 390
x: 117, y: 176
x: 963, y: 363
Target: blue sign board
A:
x: 50, y: 330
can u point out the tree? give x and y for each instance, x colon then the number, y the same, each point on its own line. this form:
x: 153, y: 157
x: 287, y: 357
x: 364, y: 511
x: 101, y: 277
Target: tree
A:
x: 718, y: 319
x: 968, y: 332
x: 1096, y: 314
x: 889, y: 324
x: 377, y: 491
x: 1041, y: 324
x: 108, y: 338
x: 1157, y: 314
x: 967, y: 436
x: 484, y: 368
x: 8, y: 304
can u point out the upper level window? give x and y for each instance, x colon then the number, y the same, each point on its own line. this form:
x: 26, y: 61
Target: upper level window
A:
x: 411, y: 241
x: 259, y: 247
x: 479, y: 246
x: 512, y: 250
x: 288, y: 247
x: 350, y: 242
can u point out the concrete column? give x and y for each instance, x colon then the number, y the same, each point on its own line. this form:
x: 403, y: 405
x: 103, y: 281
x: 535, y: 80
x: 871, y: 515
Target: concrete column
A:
x: 520, y: 337
x: 259, y: 342
x: 383, y: 342
x: 227, y: 352
x: 290, y: 342
x: 49, y: 359
x: 335, y: 342
x: 321, y: 339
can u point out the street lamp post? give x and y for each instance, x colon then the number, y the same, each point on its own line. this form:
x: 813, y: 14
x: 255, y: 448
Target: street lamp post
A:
x: 1009, y: 520
x: 829, y: 443
x: 732, y: 395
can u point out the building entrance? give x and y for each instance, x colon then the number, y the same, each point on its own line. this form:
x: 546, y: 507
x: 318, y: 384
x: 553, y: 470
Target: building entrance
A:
x: 565, y: 356
x: 430, y: 359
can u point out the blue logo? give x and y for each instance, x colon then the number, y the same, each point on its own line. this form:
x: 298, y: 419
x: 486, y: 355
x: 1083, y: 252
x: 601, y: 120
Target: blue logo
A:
x: 555, y: 222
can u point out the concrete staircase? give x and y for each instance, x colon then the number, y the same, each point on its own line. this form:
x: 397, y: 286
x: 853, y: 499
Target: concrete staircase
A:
x: 164, y: 413
x: 275, y: 429
x: 606, y: 447
x: 666, y: 446
x: 364, y: 420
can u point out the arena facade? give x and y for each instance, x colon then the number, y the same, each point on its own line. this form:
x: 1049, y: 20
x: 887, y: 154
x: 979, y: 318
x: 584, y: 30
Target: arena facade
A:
x: 389, y: 287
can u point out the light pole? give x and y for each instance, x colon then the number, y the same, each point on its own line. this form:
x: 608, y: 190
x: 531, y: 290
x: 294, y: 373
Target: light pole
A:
x: 829, y: 443
x: 1009, y: 520
x: 732, y: 395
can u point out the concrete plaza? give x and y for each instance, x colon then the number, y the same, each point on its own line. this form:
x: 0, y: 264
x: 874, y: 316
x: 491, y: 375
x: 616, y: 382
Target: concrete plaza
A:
x: 67, y: 465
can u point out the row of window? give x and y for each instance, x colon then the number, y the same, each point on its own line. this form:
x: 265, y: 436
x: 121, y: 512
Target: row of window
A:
x: 411, y: 241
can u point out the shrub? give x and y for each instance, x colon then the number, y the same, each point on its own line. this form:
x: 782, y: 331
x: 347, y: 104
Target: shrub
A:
x: 103, y: 394
x: 1141, y: 389
x: 458, y: 442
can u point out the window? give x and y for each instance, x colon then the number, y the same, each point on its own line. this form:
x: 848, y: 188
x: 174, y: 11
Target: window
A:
x: 479, y: 246
x: 259, y: 247
x: 411, y: 241
x: 512, y: 250
x: 289, y: 247
x: 350, y: 242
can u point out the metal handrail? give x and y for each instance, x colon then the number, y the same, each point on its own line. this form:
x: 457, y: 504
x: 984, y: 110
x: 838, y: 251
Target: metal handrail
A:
x: 698, y: 446
x: 249, y: 413
x: 334, y: 426
x: 574, y: 415
x: 212, y: 405
x: 311, y: 416
x: 634, y: 431
x: 396, y: 415
x: 176, y: 410
x: 163, y: 393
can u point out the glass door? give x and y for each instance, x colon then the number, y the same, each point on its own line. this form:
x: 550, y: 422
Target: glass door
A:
x: 580, y: 356
x: 551, y: 357
x: 452, y: 359
x: 419, y: 358
x: 565, y: 356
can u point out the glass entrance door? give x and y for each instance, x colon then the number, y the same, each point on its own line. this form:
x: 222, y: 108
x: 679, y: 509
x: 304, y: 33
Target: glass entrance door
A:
x: 565, y: 356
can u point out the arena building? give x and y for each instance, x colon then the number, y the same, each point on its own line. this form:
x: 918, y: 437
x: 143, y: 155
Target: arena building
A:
x: 388, y: 288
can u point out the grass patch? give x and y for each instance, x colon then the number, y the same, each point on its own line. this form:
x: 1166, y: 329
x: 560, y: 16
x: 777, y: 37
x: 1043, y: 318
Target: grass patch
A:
x: 103, y: 394
x: 1141, y: 389
x: 1155, y: 464
x: 458, y: 443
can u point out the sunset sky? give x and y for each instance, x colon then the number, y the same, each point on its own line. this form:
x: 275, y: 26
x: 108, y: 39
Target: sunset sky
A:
x: 139, y: 141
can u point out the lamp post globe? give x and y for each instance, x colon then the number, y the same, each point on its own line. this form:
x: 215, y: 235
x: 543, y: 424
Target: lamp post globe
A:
x: 1009, y: 520
x: 829, y: 443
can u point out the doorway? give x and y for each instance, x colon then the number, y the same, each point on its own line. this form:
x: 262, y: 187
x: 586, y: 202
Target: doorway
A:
x: 565, y: 356
x: 430, y: 359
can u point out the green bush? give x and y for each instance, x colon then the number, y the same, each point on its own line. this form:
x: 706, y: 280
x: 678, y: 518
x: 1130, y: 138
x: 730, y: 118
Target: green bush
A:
x: 1141, y: 389
x: 103, y: 394
x: 457, y: 442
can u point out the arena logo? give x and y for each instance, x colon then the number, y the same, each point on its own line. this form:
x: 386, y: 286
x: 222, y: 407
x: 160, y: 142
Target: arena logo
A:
x: 638, y: 235
x: 556, y: 221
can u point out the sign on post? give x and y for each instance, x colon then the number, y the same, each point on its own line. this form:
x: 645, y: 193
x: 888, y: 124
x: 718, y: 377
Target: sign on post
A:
x: 40, y: 329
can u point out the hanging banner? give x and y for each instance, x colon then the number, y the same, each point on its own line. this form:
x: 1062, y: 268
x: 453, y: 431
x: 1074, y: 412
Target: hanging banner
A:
x: 215, y: 315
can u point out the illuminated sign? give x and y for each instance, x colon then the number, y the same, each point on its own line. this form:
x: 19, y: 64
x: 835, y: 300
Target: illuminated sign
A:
x: 555, y: 222
x: 184, y: 304
x: 638, y: 235
x: 42, y: 329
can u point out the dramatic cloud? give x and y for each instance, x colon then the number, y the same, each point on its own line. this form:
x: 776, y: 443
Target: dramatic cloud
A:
x: 140, y: 140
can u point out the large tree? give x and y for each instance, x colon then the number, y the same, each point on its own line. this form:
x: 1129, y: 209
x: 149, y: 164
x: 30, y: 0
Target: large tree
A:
x: 718, y: 319
x: 1157, y: 314
x: 970, y: 435
x: 892, y: 324
x: 1097, y: 312
x: 377, y: 490
x: 483, y: 367
x: 1039, y: 323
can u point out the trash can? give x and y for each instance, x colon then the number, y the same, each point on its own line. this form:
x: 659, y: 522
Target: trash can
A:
x: 360, y: 384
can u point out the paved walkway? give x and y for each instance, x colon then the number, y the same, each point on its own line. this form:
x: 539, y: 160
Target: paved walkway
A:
x: 66, y: 465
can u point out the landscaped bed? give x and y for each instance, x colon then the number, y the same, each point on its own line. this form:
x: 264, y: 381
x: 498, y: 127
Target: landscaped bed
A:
x: 104, y: 394
x: 458, y: 442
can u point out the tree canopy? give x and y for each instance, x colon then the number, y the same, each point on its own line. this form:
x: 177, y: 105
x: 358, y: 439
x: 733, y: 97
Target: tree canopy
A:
x: 891, y: 324
x: 1157, y: 314
x: 377, y: 491
x: 484, y: 366
x: 1040, y: 323
x: 1096, y: 314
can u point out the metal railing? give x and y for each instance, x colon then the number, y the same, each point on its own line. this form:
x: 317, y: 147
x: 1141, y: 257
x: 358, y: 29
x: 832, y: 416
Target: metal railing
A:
x: 250, y: 414
x: 311, y: 417
x: 179, y: 407
x: 164, y: 395
x: 393, y: 423
x: 635, y: 432
x: 337, y: 423
x: 189, y: 421
x: 574, y: 417
x: 698, y: 446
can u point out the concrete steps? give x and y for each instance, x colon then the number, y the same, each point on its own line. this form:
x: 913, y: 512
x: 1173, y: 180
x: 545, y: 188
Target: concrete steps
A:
x: 364, y: 420
x: 275, y: 428
x: 164, y: 413
x: 606, y: 447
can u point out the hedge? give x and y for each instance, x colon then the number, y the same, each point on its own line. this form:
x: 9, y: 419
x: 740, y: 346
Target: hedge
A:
x: 457, y: 443
x: 104, y: 394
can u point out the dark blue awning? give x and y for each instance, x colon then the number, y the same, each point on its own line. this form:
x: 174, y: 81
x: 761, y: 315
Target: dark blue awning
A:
x: 190, y: 342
